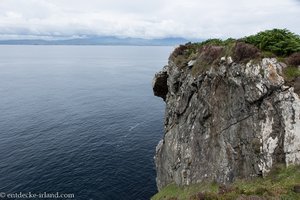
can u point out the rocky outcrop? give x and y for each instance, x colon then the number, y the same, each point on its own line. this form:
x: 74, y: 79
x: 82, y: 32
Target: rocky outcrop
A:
x: 159, y: 84
x: 231, y: 120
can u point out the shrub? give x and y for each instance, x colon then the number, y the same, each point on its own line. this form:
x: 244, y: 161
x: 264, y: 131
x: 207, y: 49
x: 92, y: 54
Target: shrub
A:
x: 179, y: 50
x: 210, y: 53
x: 217, y: 42
x: 278, y: 41
x: 243, y: 51
x: 294, y: 59
x: 185, y: 50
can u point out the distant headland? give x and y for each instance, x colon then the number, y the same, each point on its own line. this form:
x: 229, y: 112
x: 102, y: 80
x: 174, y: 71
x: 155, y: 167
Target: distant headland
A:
x: 107, y: 40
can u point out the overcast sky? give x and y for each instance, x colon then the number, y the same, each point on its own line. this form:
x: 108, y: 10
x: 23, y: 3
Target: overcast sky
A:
x: 145, y: 18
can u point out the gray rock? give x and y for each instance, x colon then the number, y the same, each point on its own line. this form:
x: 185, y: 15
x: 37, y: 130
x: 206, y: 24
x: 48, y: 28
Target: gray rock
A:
x: 296, y: 188
x: 159, y: 84
x: 232, y: 121
x: 191, y: 63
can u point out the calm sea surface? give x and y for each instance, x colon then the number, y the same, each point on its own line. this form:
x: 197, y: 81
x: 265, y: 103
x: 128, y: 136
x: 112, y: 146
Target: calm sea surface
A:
x: 80, y: 119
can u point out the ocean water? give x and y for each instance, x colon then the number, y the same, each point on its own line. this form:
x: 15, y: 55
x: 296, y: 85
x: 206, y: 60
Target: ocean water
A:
x: 80, y: 119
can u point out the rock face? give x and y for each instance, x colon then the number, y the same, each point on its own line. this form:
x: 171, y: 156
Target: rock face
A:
x: 232, y: 120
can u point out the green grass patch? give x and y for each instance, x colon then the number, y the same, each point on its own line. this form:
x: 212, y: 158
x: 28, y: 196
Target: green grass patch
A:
x: 277, y: 185
x: 174, y: 191
x: 291, y: 72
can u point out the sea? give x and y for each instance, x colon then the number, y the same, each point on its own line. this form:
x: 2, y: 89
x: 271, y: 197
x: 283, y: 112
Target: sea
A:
x: 80, y: 120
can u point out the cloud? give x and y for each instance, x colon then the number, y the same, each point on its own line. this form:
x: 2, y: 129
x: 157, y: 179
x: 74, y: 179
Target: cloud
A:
x: 145, y: 19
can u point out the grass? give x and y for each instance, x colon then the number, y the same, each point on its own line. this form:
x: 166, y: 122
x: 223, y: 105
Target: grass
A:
x: 174, y: 191
x: 291, y: 72
x: 278, y: 185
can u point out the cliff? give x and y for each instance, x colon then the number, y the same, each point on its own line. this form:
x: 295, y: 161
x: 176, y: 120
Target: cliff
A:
x: 231, y: 112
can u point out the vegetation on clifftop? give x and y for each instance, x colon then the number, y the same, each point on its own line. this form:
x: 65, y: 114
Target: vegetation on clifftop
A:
x: 271, y: 43
x: 279, y: 43
x: 281, y: 184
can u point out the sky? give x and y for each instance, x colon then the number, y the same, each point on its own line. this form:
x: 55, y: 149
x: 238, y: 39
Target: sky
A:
x: 149, y: 19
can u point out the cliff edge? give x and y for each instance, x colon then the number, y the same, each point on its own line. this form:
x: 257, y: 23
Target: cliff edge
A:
x: 232, y: 111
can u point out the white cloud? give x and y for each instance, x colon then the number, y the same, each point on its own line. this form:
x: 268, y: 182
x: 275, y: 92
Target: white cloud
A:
x: 145, y: 18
